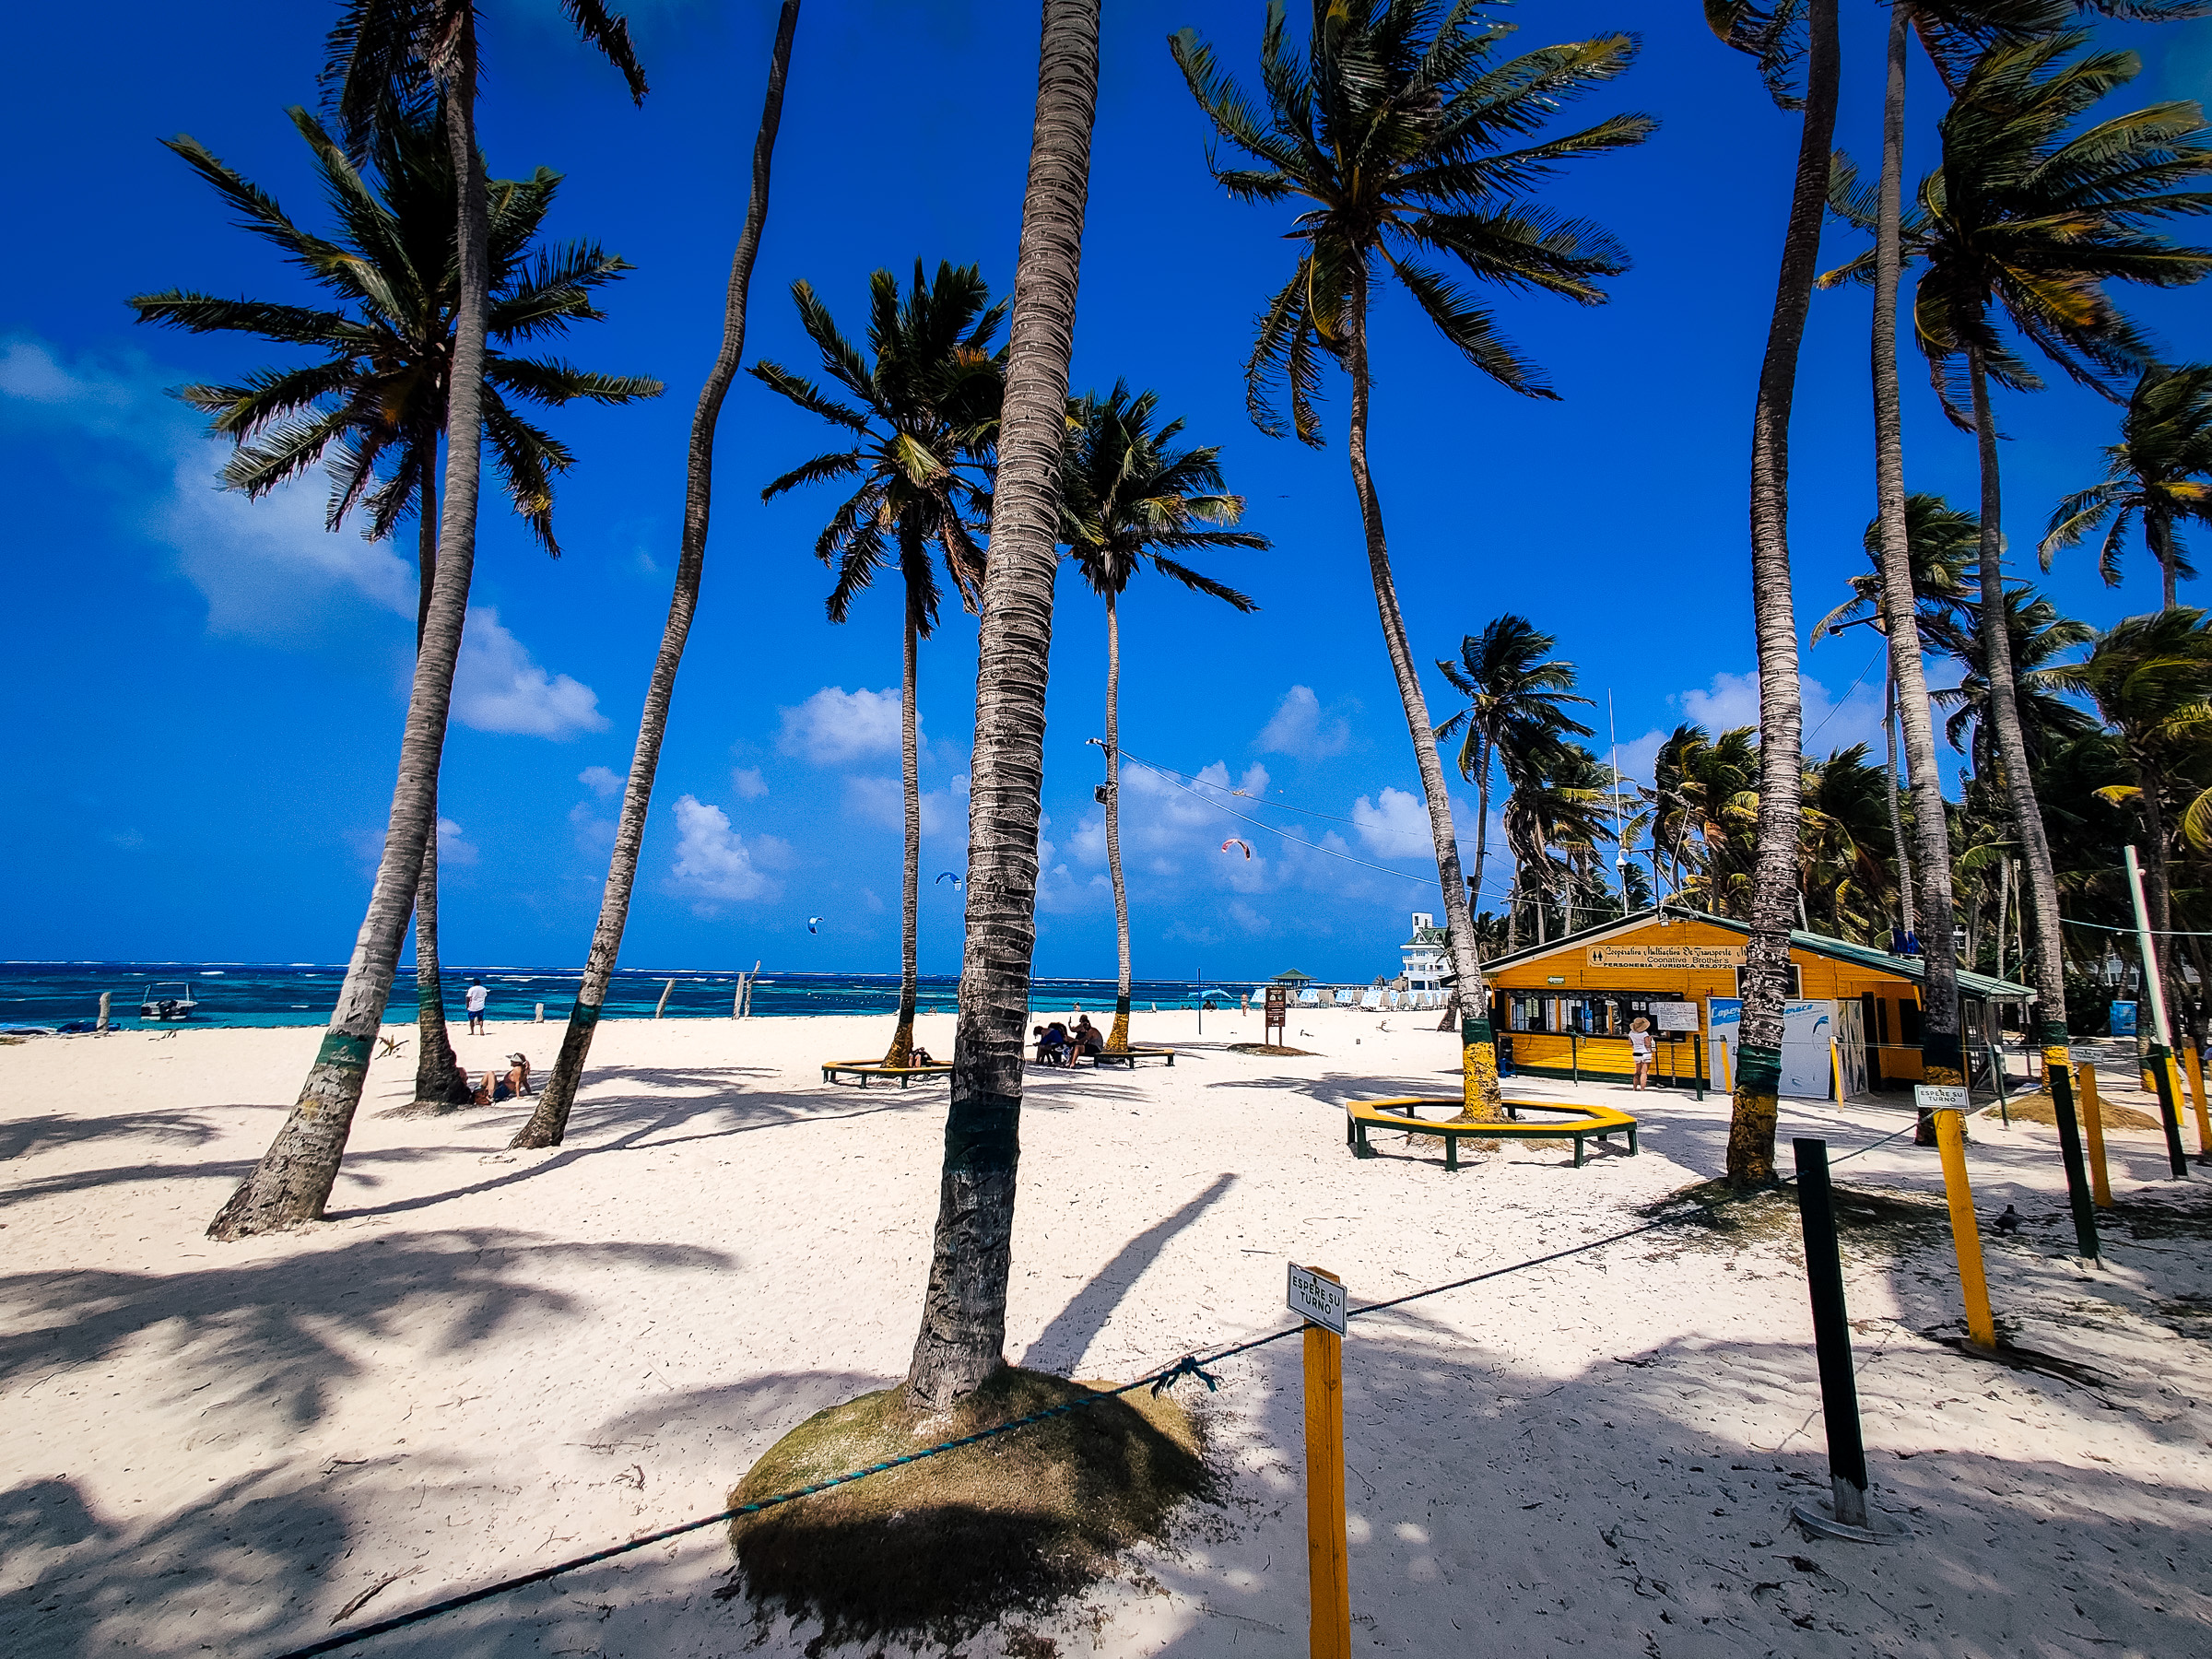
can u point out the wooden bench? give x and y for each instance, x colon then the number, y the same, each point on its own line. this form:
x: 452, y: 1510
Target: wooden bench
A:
x: 1131, y: 1055
x: 1588, y: 1123
x: 868, y: 1070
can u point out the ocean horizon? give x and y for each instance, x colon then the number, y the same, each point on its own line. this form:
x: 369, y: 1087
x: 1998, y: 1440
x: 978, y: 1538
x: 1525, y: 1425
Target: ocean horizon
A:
x: 50, y: 996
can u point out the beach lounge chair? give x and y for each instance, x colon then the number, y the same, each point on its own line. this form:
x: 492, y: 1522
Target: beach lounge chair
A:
x: 1309, y: 998
x: 1374, y: 999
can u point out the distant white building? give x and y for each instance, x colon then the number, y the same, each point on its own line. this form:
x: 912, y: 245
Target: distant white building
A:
x: 1424, y: 956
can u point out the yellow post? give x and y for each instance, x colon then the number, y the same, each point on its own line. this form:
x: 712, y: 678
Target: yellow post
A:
x: 1966, y: 1234
x: 2092, y: 1124
x: 1328, y: 1573
x: 2197, y: 1094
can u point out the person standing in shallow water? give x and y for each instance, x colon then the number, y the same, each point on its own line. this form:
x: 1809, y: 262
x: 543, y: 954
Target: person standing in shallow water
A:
x: 1640, y: 1048
x: 477, y: 997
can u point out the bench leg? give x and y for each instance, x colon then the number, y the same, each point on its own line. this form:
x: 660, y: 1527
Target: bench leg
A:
x: 1631, y: 1142
x: 1451, y: 1152
x: 1578, y: 1151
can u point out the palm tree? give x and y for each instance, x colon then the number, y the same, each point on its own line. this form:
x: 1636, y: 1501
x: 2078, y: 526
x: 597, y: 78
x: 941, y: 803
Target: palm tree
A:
x: 2151, y: 679
x: 2161, y: 469
x: 1713, y: 783
x: 1129, y: 497
x: 549, y: 1120
x: 1938, y: 541
x: 1844, y: 818
x: 1556, y: 817
x: 2026, y: 221
x: 1407, y: 139
x: 2037, y: 636
x: 1515, y: 690
x: 373, y: 407
x: 963, y: 1329
x: 1952, y: 32
x: 383, y: 57
x: 922, y: 450
x: 1771, y: 36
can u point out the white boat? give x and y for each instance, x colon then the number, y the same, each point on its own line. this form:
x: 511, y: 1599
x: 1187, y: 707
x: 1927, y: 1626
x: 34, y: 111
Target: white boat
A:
x: 169, y: 999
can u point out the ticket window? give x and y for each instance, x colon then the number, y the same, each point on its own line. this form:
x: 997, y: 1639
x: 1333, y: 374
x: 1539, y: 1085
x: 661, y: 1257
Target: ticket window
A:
x: 1527, y: 1014
x: 1596, y: 1016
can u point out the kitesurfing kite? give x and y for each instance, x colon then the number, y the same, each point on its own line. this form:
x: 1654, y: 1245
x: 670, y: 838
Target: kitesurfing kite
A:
x: 811, y: 926
x: 953, y: 877
x: 1234, y: 842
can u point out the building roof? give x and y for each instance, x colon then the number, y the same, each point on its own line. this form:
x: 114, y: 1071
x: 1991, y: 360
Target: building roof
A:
x: 1978, y: 986
x: 1292, y: 973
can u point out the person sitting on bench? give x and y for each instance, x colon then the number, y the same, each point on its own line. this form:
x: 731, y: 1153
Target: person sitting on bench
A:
x: 919, y: 1056
x: 1087, y: 1040
x: 1054, y: 1047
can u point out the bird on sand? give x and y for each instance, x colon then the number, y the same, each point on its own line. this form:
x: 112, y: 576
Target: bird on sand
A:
x: 2009, y: 1222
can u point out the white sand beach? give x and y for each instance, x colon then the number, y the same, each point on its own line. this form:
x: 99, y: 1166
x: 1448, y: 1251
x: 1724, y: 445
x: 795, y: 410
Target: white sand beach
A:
x: 486, y: 1361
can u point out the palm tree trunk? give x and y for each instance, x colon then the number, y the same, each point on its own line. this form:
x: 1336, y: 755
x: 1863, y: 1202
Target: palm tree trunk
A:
x: 439, y: 1079
x: 1897, y: 811
x: 1940, y: 1058
x: 550, y: 1120
x: 1482, y: 821
x: 1781, y: 716
x: 2003, y: 713
x: 2160, y: 527
x: 1480, y: 1100
x: 292, y: 1181
x: 1117, y: 1041
x: 964, y: 1312
x: 901, y: 1051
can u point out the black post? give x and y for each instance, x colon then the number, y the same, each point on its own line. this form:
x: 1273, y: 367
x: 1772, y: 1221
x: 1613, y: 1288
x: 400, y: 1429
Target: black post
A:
x: 2170, y: 1113
x: 1696, y: 1058
x: 2061, y: 1078
x: 1831, y: 1333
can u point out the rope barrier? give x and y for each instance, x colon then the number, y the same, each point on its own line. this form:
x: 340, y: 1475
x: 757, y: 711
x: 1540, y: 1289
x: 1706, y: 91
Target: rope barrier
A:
x: 1190, y: 1365
x: 2156, y: 932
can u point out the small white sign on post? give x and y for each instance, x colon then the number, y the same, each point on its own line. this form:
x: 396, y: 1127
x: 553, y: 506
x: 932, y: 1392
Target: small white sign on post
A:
x: 1939, y: 1097
x: 1315, y: 1300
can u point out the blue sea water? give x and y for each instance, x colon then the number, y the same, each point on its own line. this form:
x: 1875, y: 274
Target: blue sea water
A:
x: 301, y: 993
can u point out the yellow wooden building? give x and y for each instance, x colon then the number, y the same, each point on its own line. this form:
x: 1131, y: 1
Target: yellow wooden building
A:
x: 1564, y: 1008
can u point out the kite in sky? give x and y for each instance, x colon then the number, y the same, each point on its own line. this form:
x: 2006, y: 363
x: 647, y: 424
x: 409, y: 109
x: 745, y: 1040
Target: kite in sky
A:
x: 1234, y: 842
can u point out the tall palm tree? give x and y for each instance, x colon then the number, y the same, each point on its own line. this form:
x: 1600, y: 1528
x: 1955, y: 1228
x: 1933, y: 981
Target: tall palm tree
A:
x: 384, y: 54
x: 1407, y: 139
x: 1515, y: 690
x: 373, y: 407
x: 962, y: 1337
x: 548, y: 1122
x: 2151, y: 679
x: 923, y: 449
x: 2161, y: 469
x: 2025, y: 222
x: 1130, y: 498
x: 1952, y: 32
x: 1772, y: 37
x: 1556, y: 817
x: 1713, y: 785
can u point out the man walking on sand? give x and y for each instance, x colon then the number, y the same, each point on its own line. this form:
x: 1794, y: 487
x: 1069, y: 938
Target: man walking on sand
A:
x: 477, y: 997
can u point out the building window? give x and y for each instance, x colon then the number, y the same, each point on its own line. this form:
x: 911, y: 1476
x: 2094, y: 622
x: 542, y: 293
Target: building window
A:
x: 1796, y: 990
x: 1907, y: 1022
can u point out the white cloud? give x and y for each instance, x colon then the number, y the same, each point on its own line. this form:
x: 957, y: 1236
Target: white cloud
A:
x: 1731, y: 699
x: 1298, y: 729
x: 497, y: 686
x: 601, y: 780
x: 267, y: 569
x: 1396, y: 824
x: 594, y: 835
x: 747, y: 782
x: 711, y: 859
x: 882, y: 801
x: 454, y: 845
x: 835, y: 726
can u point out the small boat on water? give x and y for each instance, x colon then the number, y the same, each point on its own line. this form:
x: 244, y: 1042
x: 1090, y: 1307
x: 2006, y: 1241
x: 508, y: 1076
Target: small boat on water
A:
x: 169, y: 999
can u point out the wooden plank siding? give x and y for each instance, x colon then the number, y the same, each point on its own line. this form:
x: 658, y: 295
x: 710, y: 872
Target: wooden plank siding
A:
x: 1891, y: 1016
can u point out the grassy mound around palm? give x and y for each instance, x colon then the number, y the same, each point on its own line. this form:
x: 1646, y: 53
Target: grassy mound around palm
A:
x: 2037, y: 1109
x: 940, y: 1549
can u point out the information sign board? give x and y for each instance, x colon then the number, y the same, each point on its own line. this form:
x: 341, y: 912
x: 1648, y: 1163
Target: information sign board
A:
x: 1675, y: 1016
x: 1664, y: 956
x: 1939, y: 1097
x: 1315, y: 1300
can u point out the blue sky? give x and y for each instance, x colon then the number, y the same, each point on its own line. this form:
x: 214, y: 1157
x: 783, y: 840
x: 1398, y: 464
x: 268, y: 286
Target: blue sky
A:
x: 206, y: 694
